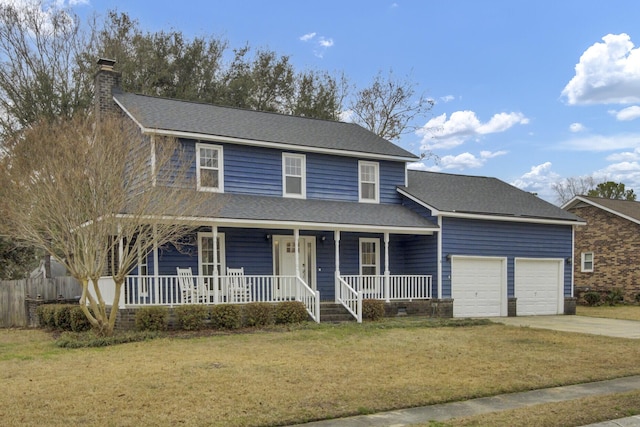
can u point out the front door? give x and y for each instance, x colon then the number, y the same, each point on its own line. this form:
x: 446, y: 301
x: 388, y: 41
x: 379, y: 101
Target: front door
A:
x: 285, y: 263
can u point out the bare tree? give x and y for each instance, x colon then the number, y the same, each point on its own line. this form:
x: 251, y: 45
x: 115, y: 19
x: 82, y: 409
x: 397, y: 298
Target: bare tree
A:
x: 389, y: 105
x: 94, y: 194
x: 39, y: 75
x: 570, y: 187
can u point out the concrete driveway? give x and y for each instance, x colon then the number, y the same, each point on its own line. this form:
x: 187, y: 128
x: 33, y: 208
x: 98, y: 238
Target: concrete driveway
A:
x: 581, y: 324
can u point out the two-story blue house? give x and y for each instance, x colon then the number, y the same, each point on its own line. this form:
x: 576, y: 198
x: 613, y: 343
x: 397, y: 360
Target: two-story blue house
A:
x: 317, y: 210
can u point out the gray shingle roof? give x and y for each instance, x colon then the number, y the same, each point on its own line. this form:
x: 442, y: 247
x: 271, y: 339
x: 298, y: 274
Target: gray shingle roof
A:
x: 206, y: 119
x: 480, y: 196
x: 225, y: 206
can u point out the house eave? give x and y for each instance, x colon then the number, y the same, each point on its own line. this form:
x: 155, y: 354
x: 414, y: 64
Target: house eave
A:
x: 506, y: 218
x: 239, y: 222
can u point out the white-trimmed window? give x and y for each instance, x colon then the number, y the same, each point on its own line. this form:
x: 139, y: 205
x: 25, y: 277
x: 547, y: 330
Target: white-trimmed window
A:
x: 209, y: 171
x: 369, y: 182
x: 370, y: 266
x: 369, y: 257
x: 587, y: 262
x: 206, y: 261
x: 143, y: 271
x: 294, y: 173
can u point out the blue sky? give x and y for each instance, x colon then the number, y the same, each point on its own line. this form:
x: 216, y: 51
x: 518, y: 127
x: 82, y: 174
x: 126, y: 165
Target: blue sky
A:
x: 529, y: 92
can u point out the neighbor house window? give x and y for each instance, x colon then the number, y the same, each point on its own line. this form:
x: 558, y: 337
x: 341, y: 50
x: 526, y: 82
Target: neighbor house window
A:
x: 369, y: 182
x: 209, y: 171
x: 294, y: 175
x: 587, y: 262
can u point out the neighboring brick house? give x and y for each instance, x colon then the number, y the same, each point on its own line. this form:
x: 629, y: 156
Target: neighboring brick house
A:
x: 607, y: 249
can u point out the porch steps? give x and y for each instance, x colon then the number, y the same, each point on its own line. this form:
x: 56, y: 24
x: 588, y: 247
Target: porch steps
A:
x: 331, y: 312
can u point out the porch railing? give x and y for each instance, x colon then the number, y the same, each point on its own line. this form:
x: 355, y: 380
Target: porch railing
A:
x: 167, y: 290
x: 350, y: 298
x: 391, y: 287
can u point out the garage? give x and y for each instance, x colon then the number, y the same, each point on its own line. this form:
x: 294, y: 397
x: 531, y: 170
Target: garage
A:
x: 539, y: 286
x: 479, y: 286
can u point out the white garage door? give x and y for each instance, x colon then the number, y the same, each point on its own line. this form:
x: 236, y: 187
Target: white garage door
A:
x: 479, y: 286
x: 538, y: 286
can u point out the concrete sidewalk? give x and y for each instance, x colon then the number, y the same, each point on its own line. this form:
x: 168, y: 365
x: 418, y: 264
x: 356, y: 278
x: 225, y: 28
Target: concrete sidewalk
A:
x: 447, y: 411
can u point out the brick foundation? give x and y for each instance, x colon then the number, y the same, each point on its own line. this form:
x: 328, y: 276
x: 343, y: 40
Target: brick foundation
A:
x: 570, y: 305
x: 512, y: 307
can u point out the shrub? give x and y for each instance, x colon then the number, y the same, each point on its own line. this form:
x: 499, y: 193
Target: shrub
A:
x: 615, y: 296
x: 79, y: 322
x: 62, y: 316
x: 592, y: 298
x: 290, y: 312
x: 89, y: 339
x: 225, y: 316
x: 152, y: 318
x: 45, y: 314
x: 258, y: 314
x: 191, y: 317
x: 637, y: 297
x: 372, y: 309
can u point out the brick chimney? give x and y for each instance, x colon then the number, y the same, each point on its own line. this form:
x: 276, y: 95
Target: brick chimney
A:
x: 106, y: 81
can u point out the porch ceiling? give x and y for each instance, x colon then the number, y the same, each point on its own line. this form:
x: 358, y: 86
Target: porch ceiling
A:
x: 262, y: 211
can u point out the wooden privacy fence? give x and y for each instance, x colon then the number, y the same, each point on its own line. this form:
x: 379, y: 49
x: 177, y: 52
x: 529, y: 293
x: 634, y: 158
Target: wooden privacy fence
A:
x: 14, y: 294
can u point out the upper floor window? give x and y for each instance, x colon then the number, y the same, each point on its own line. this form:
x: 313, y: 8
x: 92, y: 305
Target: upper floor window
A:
x: 209, y: 172
x: 587, y: 262
x: 294, y: 175
x: 368, y: 190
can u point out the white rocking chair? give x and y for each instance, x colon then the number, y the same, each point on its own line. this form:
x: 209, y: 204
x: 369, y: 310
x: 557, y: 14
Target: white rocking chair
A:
x: 189, y: 291
x: 238, y: 289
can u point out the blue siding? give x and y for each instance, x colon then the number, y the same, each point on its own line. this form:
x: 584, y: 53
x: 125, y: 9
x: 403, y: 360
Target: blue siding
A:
x: 391, y: 177
x: 258, y: 170
x: 252, y: 170
x: 504, y: 239
x: 419, y: 209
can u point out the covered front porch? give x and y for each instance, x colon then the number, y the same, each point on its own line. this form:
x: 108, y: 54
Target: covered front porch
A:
x: 239, y: 265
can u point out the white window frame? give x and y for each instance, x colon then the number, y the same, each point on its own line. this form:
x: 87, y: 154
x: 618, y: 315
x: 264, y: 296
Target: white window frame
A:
x: 584, y: 262
x: 376, y: 241
x: 143, y: 279
x: 221, y: 250
x: 302, y: 176
x: 220, y: 169
x: 376, y: 181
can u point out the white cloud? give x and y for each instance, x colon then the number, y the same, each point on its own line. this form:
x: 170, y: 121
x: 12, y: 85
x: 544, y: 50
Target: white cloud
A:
x: 307, y: 37
x: 627, y: 172
x: 320, y: 43
x: 608, y: 73
x: 576, y: 127
x: 597, y: 143
x: 443, y: 133
x: 629, y: 113
x: 460, y: 162
x: 627, y: 156
x: 539, y: 180
x: 324, y: 42
x: 346, y: 116
x: 447, y: 98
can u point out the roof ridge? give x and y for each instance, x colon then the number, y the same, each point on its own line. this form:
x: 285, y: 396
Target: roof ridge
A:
x: 231, y: 107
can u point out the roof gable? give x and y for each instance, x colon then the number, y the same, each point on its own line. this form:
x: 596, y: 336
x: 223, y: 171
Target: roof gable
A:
x: 260, y: 128
x: 477, y: 196
x: 627, y: 209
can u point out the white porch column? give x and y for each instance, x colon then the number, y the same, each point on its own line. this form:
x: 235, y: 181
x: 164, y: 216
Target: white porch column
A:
x: 216, y: 262
x: 336, y: 236
x: 156, y: 266
x: 296, y: 240
x: 386, y: 267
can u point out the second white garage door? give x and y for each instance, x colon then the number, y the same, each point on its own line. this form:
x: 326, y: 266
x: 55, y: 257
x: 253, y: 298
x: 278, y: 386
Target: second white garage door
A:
x: 538, y: 286
x: 479, y: 286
